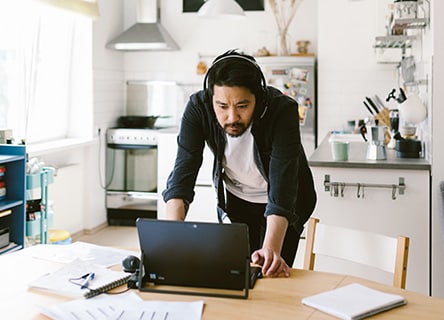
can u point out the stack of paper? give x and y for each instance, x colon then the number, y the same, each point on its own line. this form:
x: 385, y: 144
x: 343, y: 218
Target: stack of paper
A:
x: 68, y: 280
x: 126, y: 306
x: 353, y: 302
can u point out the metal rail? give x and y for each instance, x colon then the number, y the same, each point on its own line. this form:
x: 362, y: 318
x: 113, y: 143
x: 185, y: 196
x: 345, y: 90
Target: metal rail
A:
x: 336, y: 189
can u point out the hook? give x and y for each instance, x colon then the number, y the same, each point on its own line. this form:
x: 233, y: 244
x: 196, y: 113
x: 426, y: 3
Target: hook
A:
x: 359, y: 191
x: 362, y: 191
x: 336, y: 189
x: 394, y: 192
x: 342, y: 189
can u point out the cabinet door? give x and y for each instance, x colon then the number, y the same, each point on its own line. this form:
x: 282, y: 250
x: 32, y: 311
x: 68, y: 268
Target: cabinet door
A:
x: 375, y: 210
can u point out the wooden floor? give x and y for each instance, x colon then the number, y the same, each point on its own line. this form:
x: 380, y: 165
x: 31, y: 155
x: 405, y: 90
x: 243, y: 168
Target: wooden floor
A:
x: 114, y: 236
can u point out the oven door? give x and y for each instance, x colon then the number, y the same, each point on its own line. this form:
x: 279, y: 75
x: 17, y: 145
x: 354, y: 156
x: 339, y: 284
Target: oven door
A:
x: 131, y: 178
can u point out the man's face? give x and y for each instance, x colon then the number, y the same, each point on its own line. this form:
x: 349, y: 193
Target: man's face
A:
x: 234, y: 107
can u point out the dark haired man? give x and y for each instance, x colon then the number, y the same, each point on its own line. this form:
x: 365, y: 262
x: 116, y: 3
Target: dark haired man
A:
x: 260, y: 169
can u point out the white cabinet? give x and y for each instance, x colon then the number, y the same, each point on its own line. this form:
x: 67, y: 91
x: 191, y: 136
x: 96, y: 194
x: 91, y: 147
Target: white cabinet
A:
x: 203, y: 208
x: 376, y: 210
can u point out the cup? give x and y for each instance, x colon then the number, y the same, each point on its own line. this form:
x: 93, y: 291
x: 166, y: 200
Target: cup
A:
x: 339, y: 150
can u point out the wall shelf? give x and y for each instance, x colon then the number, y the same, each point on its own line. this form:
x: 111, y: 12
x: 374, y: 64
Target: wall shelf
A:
x: 394, y: 42
x: 402, y: 41
x: 403, y: 24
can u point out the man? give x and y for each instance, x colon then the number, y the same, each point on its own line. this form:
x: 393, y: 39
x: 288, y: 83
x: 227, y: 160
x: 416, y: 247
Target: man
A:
x: 260, y: 170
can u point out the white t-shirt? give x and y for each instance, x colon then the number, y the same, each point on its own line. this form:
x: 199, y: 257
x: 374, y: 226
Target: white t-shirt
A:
x: 242, y: 176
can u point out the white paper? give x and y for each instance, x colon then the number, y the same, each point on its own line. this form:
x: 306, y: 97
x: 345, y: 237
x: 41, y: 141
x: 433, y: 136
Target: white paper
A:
x: 99, y: 255
x: 67, y: 280
x: 124, y: 306
x: 353, y: 301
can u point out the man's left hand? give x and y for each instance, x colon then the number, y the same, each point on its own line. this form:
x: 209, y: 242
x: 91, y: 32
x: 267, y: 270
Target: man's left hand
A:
x: 271, y: 262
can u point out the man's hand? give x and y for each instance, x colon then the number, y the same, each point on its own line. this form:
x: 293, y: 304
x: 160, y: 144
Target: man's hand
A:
x: 269, y: 257
x: 272, y: 263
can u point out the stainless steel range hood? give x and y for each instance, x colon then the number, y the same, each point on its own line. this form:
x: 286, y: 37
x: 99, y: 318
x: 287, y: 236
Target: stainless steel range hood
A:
x: 147, y: 34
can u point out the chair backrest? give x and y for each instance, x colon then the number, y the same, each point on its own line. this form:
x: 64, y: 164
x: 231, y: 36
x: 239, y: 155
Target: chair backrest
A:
x: 379, y: 251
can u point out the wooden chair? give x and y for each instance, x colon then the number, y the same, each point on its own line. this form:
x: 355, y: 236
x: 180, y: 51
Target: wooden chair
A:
x: 379, y: 251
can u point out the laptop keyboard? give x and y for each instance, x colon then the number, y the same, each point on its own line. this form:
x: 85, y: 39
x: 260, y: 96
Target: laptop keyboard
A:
x: 255, y: 273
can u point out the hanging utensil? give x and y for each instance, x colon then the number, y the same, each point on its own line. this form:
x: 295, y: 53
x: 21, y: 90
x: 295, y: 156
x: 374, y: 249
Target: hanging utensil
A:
x: 402, y: 97
x: 372, y: 104
x: 379, y: 102
x: 368, y: 108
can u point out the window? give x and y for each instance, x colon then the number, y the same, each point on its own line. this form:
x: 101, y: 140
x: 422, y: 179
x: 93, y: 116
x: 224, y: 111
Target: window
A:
x: 45, y: 72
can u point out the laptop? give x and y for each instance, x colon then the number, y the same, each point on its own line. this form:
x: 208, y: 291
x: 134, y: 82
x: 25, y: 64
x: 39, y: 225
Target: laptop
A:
x: 195, y: 254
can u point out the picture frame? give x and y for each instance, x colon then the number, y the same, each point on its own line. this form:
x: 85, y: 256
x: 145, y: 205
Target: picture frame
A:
x: 247, y: 5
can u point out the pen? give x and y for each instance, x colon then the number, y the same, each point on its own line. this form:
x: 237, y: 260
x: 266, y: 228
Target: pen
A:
x: 88, y: 278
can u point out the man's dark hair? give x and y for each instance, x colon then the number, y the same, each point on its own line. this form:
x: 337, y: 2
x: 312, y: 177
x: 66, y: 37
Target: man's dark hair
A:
x: 234, y: 69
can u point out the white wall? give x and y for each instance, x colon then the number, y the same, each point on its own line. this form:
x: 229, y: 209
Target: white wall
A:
x: 347, y: 62
x: 209, y: 37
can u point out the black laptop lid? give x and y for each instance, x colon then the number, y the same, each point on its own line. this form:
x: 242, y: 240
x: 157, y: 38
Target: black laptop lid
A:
x: 196, y: 254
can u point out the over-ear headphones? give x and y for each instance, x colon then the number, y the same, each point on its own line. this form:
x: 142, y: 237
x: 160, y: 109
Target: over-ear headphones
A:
x: 131, y: 264
x: 235, y: 56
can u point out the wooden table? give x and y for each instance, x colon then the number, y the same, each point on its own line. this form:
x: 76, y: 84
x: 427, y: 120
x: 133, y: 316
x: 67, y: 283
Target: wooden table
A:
x: 271, y: 298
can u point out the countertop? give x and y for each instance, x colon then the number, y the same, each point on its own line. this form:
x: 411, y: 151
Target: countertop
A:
x: 322, y: 157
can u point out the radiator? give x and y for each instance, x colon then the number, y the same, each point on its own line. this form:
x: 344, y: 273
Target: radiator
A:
x: 66, y: 194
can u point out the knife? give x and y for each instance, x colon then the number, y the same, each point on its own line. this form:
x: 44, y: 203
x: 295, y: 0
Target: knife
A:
x: 372, y: 104
x: 379, y: 102
x: 368, y: 108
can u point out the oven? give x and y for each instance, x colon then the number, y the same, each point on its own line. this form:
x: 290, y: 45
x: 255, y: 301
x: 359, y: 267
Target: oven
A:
x: 131, y: 175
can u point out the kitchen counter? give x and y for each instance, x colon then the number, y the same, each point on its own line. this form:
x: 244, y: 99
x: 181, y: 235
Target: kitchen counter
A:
x: 357, y: 156
x: 390, y: 197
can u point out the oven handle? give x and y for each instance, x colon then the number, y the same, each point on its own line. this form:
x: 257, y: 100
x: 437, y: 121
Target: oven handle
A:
x: 141, y: 195
x: 130, y: 146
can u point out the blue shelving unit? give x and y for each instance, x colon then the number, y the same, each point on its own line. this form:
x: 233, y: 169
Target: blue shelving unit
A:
x: 12, y: 207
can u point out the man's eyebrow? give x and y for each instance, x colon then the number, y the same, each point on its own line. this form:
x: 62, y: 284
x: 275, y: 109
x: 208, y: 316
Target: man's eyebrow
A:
x: 245, y: 101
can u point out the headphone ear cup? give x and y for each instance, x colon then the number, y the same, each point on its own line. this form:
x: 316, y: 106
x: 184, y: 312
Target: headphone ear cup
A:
x: 130, y: 264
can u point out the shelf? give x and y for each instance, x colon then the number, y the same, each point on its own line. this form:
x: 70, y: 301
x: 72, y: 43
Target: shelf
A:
x: 401, y: 41
x: 10, y: 247
x: 403, y: 24
x: 394, y: 42
x: 6, y: 159
x: 7, y: 204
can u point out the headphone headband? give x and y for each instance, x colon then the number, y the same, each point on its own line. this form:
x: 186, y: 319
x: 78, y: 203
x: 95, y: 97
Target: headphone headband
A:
x: 263, y: 81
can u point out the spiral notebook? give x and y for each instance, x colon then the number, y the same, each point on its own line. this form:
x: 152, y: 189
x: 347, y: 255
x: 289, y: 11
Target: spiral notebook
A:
x: 69, y: 279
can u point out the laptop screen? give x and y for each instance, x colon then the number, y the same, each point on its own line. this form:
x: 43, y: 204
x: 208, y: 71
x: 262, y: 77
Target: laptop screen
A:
x: 195, y: 254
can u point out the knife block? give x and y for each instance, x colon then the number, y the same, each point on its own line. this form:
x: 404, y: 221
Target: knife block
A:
x: 384, y: 118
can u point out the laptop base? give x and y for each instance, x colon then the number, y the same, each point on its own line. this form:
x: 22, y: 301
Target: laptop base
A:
x: 145, y: 286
